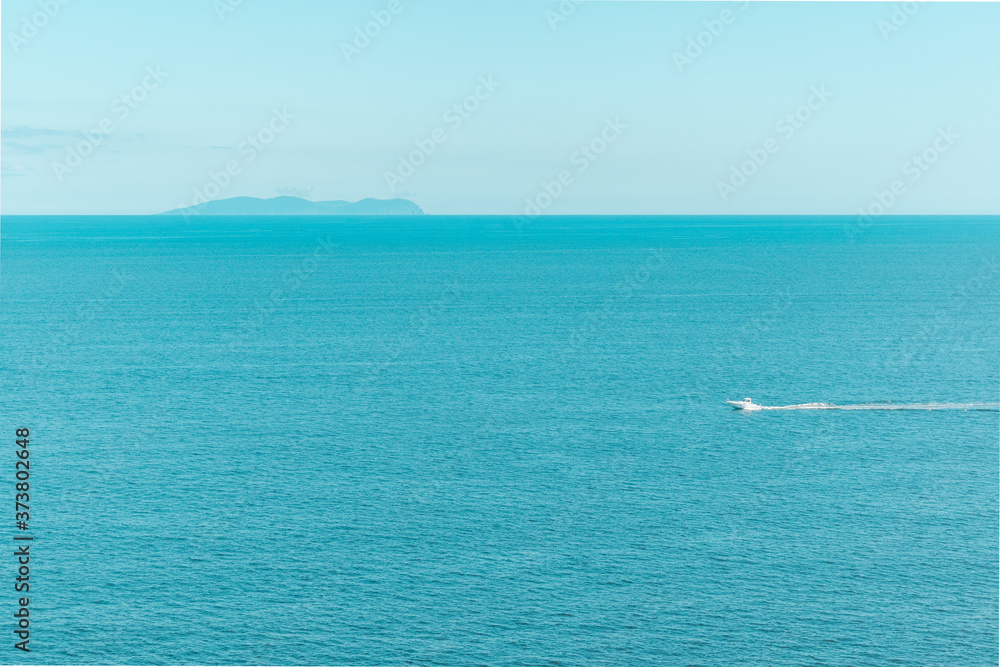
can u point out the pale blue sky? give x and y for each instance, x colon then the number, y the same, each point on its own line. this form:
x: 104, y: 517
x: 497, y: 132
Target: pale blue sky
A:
x: 684, y: 130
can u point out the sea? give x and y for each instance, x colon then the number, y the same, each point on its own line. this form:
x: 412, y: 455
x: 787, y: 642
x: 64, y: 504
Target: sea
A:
x: 491, y: 441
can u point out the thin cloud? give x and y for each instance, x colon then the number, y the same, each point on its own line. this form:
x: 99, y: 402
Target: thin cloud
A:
x: 31, y: 149
x: 16, y: 169
x: 26, y: 132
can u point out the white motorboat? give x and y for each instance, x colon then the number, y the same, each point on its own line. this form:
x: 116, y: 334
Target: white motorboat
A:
x: 745, y: 404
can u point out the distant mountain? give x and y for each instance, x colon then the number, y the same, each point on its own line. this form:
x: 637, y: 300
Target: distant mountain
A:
x: 299, y: 206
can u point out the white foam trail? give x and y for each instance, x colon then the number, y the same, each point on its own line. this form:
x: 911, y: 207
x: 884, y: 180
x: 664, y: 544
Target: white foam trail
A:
x: 989, y: 407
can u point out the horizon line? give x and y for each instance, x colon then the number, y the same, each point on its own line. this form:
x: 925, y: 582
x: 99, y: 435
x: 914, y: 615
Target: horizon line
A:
x: 503, y: 215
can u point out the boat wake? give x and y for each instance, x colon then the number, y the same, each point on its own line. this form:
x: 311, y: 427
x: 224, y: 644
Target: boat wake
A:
x: 985, y: 407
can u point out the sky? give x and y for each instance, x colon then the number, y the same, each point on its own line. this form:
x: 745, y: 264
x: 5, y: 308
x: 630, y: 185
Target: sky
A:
x: 512, y: 107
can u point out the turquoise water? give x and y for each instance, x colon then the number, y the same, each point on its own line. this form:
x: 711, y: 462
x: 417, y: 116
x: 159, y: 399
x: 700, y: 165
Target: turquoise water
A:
x: 450, y: 442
